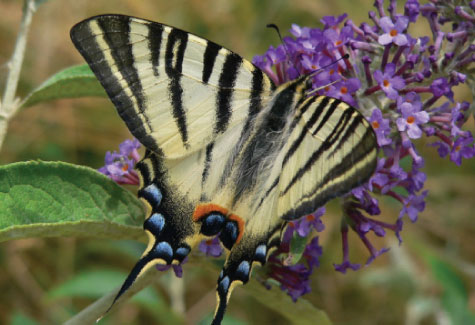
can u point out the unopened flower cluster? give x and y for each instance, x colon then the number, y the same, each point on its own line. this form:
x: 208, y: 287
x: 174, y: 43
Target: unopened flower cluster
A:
x: 402, y: 83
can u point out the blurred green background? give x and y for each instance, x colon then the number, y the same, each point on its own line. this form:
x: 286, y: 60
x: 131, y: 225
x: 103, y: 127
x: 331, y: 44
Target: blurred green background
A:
x: 430, y: 279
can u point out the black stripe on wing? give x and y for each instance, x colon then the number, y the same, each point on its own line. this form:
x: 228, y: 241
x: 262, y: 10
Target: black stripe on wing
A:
x: 310, y: 202
x: 304, y: 105
x: 343, y: 131
x: 329, y: 141
x: 316, y: 114
x: 154, y: 44
x: 227, y: 81
x: 207, y: 163
x: 114, y: 29
x: 361, y: 150
x: 331, y: 109
x: 174, y: 55
x: 209, y: 58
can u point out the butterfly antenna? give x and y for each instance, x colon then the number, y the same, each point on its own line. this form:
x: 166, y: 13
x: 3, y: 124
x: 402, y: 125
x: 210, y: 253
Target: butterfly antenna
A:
x: 317, y: 71
x: 276, y: 28
x: 313, y: 73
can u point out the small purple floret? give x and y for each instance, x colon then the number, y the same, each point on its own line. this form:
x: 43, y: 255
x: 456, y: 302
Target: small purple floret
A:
x: 211, y: 247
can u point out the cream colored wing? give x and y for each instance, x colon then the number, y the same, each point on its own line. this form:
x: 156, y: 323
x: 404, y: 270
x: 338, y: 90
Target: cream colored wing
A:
x: 331, y: 150
x: 175, y: 91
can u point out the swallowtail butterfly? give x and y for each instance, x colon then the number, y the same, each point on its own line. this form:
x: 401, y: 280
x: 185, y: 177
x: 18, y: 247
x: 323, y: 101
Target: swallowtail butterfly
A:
x: 228, y: 152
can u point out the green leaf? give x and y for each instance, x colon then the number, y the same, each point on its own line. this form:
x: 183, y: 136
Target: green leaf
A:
x: 455, y: 297
x: 297, y: 247
x: 72, y: 82
x: 51, y: 199
x: 301, y: 312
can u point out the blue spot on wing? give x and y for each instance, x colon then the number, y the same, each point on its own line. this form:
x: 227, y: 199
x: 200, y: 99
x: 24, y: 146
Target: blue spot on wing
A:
x: 260, y: 254
x: 152, y: 194
x: 212, y: 224
x: 164, y: 250
x: 261, y: 250
x: 224, y: 284
x: 182, y: 252
x: 155, y: 223
x: 242, y: 271
x: 229, y: 234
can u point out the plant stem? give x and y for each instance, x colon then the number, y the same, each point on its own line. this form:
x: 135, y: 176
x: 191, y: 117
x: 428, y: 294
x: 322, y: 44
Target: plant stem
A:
x: 177, y: 294
x: 9, y: 106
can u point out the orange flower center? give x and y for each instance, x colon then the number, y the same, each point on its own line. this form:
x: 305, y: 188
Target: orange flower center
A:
x: 385, y: 82
x: 338, y: 42
x: 457, y: 148
x: 209, y: 242
x: 410, y: 119
x: 375, y: 124
x: 344, y: 90
x: 310, y: 217
x: 393, y: 32
x: 314, y: 67
x: 332, y: 71
x: 125, y: 167
x: 327, y: 88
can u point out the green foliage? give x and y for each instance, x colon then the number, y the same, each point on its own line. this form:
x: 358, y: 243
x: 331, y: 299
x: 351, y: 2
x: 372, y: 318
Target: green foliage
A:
x: 73, y: 82
x: 90, y: 284
x: 455, y: 296
x: 301, y: 313
x: 297, y: 247
x: 19, y: 318
x: 97, y: 283
x: 50, y: 199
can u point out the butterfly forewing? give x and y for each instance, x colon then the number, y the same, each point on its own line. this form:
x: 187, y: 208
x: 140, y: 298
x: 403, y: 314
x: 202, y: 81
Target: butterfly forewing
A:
x: 176, y: 91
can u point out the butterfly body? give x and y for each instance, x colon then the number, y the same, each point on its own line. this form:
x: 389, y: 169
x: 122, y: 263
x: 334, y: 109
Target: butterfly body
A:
x: 228, y: 152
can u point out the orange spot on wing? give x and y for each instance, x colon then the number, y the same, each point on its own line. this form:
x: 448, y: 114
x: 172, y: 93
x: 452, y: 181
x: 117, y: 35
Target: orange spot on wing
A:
x: 203, y: 210
x: 240, y: 224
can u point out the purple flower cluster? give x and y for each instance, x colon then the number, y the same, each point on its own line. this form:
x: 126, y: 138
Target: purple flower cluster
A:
x: 403, y: 84
x: 295, y: 279
x: 119, y: 166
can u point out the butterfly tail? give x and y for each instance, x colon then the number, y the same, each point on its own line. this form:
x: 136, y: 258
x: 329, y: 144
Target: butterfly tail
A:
x: 138, y: 270
x: 237, y: 270
x: 222, y: 298
x: 226, y: 284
